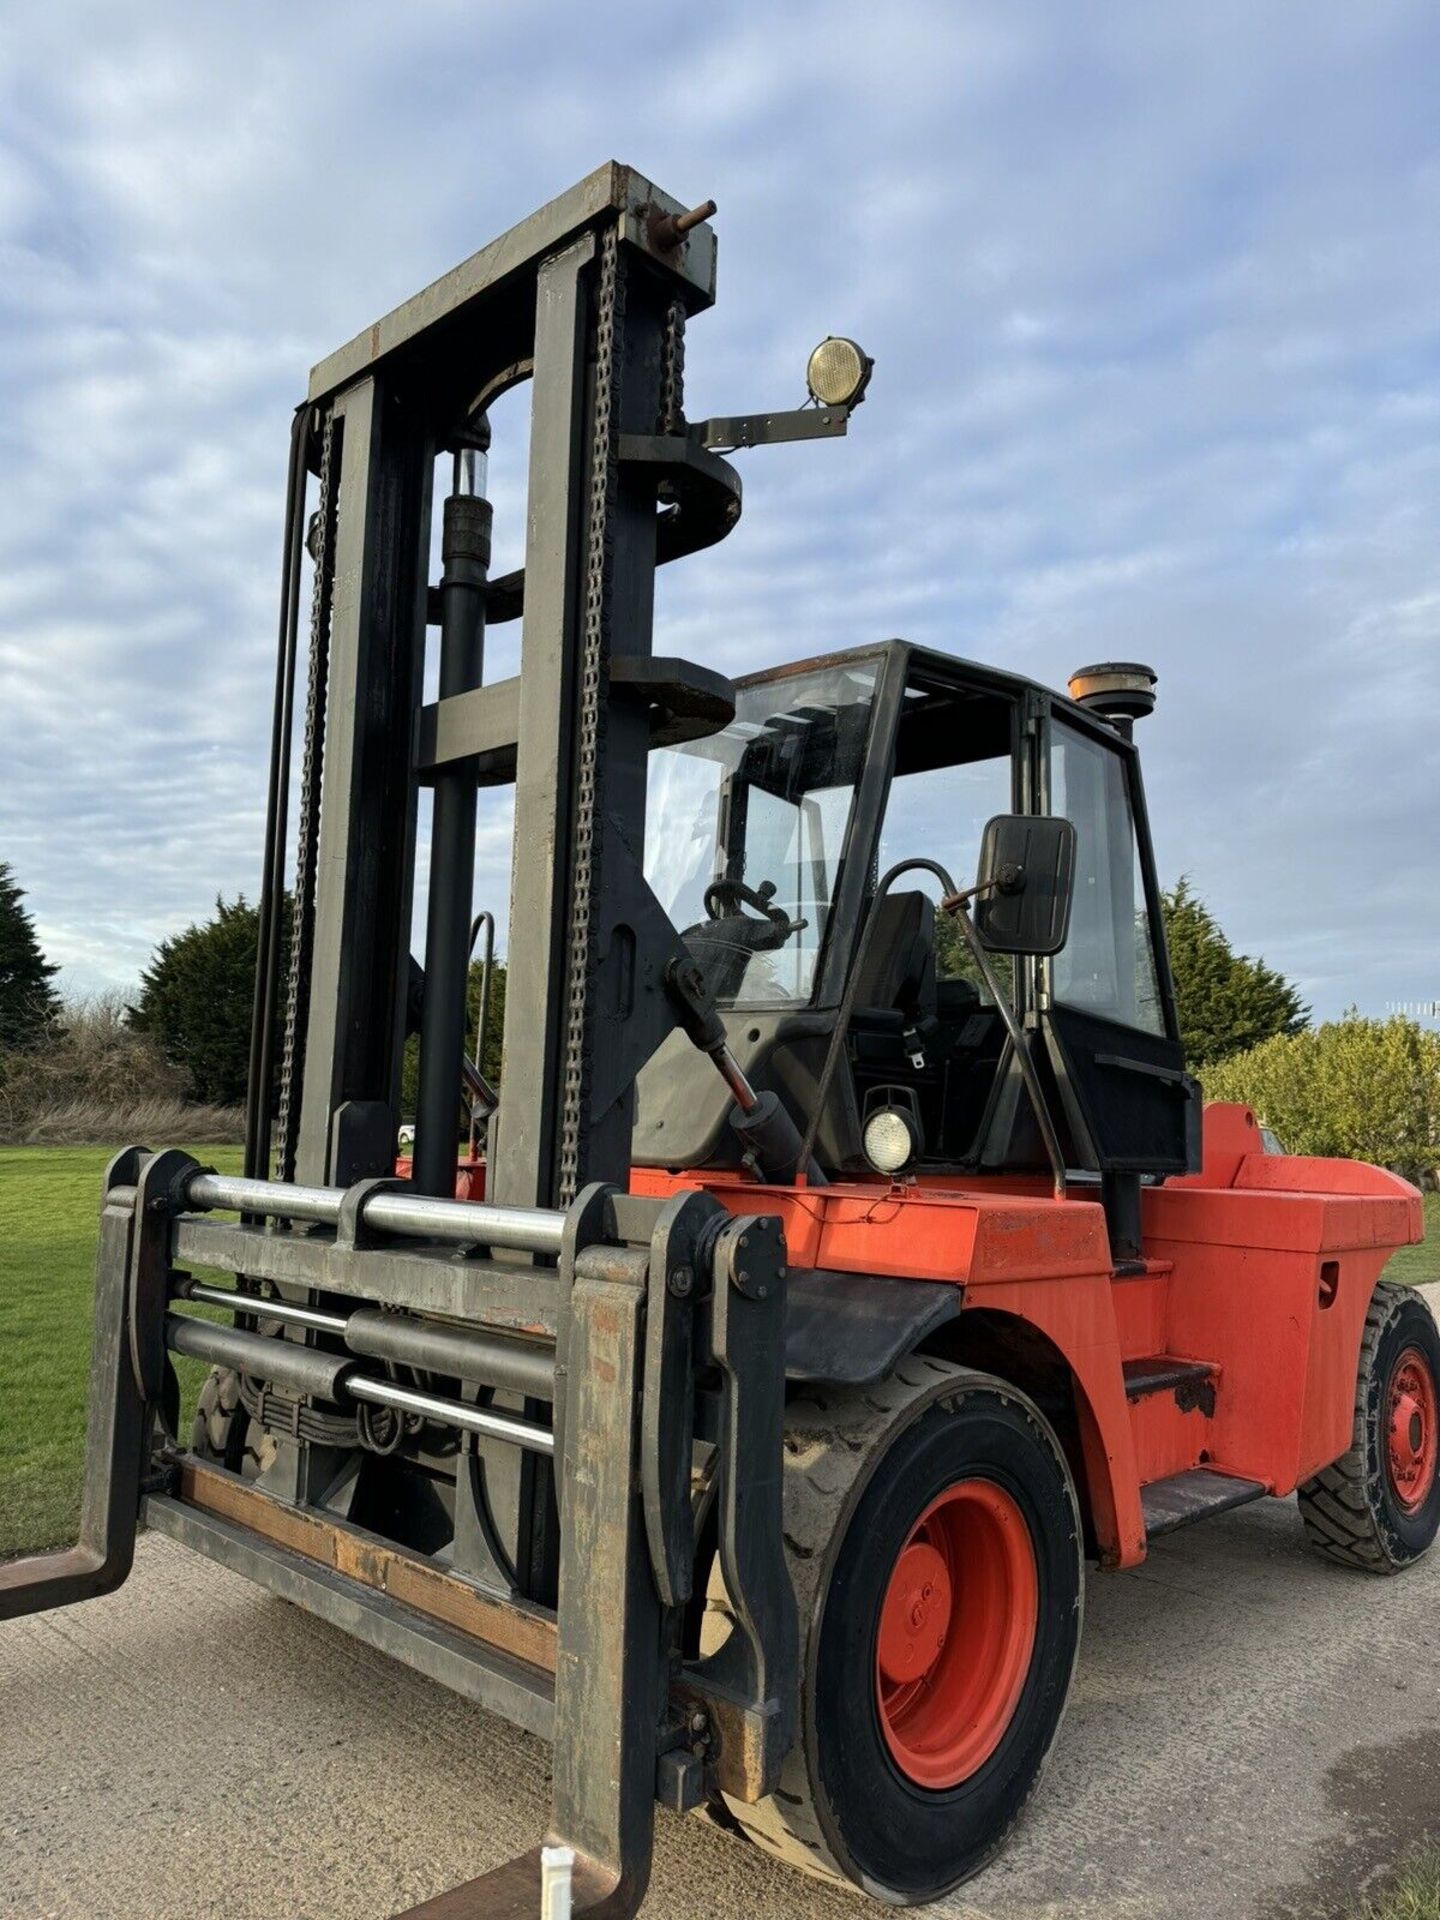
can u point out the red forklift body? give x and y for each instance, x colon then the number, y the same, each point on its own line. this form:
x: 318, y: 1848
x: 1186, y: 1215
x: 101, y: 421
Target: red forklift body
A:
x: 1231, y: 1347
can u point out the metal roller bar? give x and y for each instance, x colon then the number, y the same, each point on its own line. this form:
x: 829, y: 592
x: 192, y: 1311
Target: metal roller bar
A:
x: 264, y: 1309
x: 453, y: 1413
x: 467, y: 1222
x: 453, y: 1350
x: 220, y: 1191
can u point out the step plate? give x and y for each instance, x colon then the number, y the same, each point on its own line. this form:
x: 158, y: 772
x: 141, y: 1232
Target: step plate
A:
x: 1183, y: 1497
x: 1155, y: 1375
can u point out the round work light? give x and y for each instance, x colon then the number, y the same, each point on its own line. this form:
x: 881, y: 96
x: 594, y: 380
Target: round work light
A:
x: 891, y: 1139
x: 838, y: 373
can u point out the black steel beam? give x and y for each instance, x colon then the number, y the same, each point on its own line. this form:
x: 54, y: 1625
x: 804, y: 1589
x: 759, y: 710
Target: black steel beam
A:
x: 434, y: 323
x: 522, y: 1693
x: 522, y: 1138
x: 359, y: 967
x: 489, y: 1293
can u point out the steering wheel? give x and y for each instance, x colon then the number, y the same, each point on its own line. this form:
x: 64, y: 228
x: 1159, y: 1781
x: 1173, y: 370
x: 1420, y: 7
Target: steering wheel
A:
x: 723, y: 898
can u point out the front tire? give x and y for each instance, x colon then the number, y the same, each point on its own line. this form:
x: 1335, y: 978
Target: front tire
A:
x: 934, y: 1542
x: 1378, y: 1507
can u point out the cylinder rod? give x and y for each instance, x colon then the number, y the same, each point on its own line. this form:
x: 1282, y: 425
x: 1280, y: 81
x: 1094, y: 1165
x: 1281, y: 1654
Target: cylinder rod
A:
x: 453, y: 1413
x: 733, y: 1074
x: 465, y: 548
x: 281, y: 1310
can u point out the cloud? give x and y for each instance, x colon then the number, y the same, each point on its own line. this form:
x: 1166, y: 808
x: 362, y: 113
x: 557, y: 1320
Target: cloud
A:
x: 1151, y: 295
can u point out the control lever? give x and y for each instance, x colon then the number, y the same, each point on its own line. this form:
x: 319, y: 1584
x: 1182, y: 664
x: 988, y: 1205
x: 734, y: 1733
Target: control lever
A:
x: 770, y: 1139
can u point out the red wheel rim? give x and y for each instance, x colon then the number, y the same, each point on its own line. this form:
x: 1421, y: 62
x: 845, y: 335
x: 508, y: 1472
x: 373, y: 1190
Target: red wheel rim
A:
x: 1412, y: 1432
x: 957, y: 1629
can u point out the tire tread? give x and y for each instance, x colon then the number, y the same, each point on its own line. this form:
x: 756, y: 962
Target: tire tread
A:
x: 831, y: 1440
x: 1338, y: 1504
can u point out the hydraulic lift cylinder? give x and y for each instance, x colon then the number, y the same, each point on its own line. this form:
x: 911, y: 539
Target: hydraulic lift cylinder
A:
x: 301, y: 1369
x: 465, y: 550
x: 466, y: 1353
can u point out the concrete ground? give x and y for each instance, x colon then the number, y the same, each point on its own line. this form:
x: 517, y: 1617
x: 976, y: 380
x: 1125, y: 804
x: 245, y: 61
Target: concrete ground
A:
x: 1254, y: 1735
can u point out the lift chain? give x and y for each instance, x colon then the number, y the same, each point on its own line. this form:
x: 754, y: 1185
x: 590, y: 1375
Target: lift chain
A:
x: 672, y: 373
x: 594, y: 671
x: 302, y: 925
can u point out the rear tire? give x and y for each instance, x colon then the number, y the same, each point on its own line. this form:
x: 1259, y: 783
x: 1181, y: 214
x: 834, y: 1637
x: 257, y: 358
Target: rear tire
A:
x: 937, y: 1504
x: 1378, y: 1507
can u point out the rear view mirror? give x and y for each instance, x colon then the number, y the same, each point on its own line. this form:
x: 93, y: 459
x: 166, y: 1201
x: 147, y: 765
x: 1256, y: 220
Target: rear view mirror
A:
x: 1025, y: 883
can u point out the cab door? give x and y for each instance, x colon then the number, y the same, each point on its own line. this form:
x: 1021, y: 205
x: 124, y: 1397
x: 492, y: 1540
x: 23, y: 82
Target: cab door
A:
x: 1108, y: 1006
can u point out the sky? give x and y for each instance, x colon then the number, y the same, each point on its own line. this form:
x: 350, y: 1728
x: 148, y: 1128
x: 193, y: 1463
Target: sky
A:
x: 1153, y: 294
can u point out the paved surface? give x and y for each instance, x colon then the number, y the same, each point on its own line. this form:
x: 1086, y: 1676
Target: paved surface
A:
x: 1254, y: 1735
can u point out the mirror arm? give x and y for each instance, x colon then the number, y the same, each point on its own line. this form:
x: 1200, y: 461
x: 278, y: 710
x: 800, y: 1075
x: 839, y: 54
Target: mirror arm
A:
x: 956, y: 904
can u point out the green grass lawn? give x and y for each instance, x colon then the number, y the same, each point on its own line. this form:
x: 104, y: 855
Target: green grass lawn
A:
x: 49, y: 1215
x: 1413, y: 1894
x: 49, y: 1209
x: 1417, y: 1265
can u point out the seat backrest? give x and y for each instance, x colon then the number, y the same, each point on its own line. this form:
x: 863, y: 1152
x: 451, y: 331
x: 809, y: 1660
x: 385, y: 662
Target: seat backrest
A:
x: 897, y: 968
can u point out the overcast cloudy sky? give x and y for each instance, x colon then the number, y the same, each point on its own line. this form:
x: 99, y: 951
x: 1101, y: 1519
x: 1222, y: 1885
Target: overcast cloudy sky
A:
x: 1154, y: 292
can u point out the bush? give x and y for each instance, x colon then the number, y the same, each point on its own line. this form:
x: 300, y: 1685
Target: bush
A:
x: 1360, y: 1089
x: 153, y: 1122
x: 1226, y: 1001
x: 28, y: 1001
x: 93, y: 1079
x: 494, y: 1034
x: 196, y: 997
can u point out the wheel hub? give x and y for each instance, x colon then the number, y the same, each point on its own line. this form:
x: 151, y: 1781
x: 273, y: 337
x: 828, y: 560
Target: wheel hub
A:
x: 1412, y: 1438
x: 956, y: 1632
x: 916, y: 1614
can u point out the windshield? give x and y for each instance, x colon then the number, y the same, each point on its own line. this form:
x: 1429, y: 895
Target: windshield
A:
x: 745, y: 831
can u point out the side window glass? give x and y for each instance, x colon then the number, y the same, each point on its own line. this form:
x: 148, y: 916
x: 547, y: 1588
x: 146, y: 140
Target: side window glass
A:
x: 1107, y: 966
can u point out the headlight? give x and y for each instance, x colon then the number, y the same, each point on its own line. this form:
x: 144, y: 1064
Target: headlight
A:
x: 838, y: 373
x: 891, y: 1139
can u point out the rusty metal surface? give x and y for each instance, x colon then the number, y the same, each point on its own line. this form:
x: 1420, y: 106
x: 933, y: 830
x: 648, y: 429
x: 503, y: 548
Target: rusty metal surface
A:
x: 519, y: 1631
x: 738, y: 1748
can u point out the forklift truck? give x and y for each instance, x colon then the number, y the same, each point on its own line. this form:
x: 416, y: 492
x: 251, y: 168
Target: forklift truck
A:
x: 850, y: 1257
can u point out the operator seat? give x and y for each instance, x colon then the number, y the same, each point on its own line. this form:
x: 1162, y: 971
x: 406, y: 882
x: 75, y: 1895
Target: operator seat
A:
x: 896, y: 995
